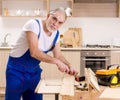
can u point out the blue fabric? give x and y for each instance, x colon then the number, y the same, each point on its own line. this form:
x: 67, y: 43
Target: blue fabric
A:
x: 23, y: 74
x: 24, y: 63
x: 39, y: 27
x: 21, y: 84
x: 54, y: 42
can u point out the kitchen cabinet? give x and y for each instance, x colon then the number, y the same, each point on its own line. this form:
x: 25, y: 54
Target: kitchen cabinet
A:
x: 95, y: 9
x: 118, y: 8
x: 79, y: 8
x: 38, y: 8
x: 115, y: 57
x: 73, y: 56
x: 24, y: 7
x: 0, y: 7
x: 4, y: 53
x: 2, y: 93
x: 51, y: 71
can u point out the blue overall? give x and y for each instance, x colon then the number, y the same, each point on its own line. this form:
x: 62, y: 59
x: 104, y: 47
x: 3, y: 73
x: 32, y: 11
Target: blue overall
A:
x: 23, y: 74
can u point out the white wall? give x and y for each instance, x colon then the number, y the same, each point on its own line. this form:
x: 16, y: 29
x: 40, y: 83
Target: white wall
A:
x: 95, y: 30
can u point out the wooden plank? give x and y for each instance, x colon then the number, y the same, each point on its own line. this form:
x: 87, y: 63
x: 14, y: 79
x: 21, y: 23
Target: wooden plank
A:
x: 92, y: 80
x: 111, y: 93
x: 48, y: 86
x: 53, y: 86
x: 68, y: 85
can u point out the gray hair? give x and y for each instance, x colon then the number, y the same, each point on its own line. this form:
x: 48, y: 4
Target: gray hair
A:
x: 61, y: 9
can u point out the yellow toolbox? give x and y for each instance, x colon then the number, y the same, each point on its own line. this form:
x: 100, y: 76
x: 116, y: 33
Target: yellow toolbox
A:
x: 110, y: 76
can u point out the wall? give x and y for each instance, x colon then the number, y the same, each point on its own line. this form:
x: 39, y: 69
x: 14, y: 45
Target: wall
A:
x: 95, y: 30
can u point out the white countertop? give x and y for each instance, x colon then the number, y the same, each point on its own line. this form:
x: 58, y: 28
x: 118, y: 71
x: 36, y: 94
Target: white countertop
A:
x: 3, y: 48
x: 76, y: 48
x: 80, y: 48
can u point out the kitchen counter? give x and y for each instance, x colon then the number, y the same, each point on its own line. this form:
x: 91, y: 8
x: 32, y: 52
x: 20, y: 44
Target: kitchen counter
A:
x: 79, y: 48
x: 75, y: 48
x: 4, y: 48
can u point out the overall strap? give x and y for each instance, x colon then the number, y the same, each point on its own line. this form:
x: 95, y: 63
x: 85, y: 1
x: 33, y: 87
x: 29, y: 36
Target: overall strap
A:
x: 39, y: 27
x: 54, y: 41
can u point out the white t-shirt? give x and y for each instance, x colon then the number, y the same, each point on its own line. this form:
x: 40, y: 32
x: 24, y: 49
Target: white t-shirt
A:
x: 45, y: 41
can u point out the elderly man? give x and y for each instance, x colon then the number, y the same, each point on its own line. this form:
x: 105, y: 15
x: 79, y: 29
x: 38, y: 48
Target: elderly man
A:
x: 37, y: 38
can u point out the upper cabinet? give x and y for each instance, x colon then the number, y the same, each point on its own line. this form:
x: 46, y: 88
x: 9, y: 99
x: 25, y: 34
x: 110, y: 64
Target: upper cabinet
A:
x: 31, y: 7
x: 0, y: 7
x: 118, y: 8
x: 24, y: 7
x: 80, y: 8
x: 96, y: 8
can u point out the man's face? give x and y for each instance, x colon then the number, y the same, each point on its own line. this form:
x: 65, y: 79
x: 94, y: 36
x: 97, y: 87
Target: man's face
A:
x: 54, y: 21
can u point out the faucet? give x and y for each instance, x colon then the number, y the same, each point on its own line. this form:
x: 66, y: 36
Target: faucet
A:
x: 5, y: 40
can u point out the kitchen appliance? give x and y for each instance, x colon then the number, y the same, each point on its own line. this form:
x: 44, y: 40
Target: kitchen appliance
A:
x: 94, y: 59
x: 97, y: 46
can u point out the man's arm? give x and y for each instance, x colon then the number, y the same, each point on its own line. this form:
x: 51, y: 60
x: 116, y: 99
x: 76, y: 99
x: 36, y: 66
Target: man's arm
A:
x: 40, y: 55
x: 57, y: 54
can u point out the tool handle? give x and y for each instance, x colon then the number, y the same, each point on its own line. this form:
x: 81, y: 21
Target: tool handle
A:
x: 113, y: 66
x: 79, y: 78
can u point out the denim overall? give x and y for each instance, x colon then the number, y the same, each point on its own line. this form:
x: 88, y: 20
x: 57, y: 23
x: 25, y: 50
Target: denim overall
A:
x: 23, y: 74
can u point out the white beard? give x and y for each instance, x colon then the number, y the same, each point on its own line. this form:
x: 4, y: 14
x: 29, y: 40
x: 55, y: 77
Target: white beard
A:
x: 48, y: 28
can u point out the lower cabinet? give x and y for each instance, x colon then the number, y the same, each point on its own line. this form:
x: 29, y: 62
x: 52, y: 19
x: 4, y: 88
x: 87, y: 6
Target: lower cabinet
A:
x: 115, y: 57
x: 73, y: 56
x: 4, y: 53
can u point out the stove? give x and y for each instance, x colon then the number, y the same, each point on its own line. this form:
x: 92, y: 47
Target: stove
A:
x: 97, y: 46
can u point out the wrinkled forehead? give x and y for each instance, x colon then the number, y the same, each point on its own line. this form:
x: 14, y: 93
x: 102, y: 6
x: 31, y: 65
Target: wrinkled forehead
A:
x: 59, y: 15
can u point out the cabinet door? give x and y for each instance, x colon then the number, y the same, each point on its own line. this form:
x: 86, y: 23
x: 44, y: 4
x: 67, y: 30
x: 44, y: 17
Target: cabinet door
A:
x: 24, y: 7
x: 74, y: 58
x: 115, y: 57
x: 50, y: 71
x: 0, y: 7
x: 3, y: 61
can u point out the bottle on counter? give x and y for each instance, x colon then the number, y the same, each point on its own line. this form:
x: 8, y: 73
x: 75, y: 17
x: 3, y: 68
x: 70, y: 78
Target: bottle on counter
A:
x: 61, y: 40
x: 6, y: 12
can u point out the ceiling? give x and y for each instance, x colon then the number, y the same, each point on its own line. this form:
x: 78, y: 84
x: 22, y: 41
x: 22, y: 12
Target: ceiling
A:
x: 95, y: 1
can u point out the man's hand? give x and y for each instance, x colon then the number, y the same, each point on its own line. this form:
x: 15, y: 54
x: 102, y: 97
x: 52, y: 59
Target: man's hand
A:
x: 62, y: 67
x: 72, y: 71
